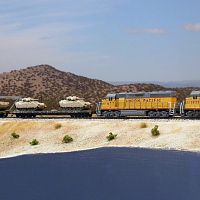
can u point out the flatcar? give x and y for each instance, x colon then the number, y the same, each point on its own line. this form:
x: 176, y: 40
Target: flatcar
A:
x: 161, y: 104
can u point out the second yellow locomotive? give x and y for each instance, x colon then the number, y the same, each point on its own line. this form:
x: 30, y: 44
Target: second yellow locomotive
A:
x: 191, y: 106
x: 153, y: 104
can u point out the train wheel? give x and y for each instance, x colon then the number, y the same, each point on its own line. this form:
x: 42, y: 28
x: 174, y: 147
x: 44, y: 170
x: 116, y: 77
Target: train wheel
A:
x: 3, y: 115
x: 190, y: 114
x: 107, y: 114
x: 151, y: 114
x: 196, y: 114
x: 116, y: 114
x: 73, y: 116
x: 111, y: 114
x: 18, y: 116
x: 157, y: 114
x: 164, y: 114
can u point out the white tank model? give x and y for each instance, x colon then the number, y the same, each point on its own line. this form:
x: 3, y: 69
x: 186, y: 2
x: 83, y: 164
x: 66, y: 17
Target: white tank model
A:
x: 29, y: 104
x: 73, y: 102
x: 4, y: 105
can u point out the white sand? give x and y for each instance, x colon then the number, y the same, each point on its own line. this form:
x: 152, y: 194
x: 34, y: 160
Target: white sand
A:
x: 88, y: 134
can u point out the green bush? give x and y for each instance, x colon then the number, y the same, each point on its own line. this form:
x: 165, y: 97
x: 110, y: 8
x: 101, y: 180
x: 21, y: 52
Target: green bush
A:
x: 34, y: 142
x: 111, y: 136
x: 143, y: 125
x: 14, y: 135
x: 155, y: 131
x: 67, y: 139
x: 58, y: 126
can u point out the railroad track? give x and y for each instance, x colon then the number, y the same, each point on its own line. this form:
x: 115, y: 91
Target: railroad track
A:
x: 178, y: 118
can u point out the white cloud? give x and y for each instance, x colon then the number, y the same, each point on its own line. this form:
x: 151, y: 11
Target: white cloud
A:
x: 192, y: 27
x: 153, y: 31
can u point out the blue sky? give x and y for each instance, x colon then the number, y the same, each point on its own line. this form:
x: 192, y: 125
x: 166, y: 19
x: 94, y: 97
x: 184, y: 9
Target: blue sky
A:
x: 113, y: 40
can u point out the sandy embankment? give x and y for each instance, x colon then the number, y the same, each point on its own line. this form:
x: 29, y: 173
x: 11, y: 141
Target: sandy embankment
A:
x: 87, y: 134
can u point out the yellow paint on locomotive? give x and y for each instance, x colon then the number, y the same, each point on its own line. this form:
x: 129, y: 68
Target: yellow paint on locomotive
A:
x: 192, y: 103
x: 157, y: 103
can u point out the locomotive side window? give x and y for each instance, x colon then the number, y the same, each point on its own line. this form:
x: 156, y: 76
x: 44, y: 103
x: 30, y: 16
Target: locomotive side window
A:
x: 110, y: 98
x: 194, y: 97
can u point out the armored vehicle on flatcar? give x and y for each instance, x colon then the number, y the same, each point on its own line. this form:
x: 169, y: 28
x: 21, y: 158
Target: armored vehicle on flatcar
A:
x: 74, y: 103
x: 160, y: 104
x: 29, y: 104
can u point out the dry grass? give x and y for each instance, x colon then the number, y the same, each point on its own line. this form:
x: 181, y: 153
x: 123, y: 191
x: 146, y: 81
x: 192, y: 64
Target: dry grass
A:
x: 143, y: 125
x: 58, y: 126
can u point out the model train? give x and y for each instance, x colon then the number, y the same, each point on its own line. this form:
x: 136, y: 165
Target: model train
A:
x: 161, y: 104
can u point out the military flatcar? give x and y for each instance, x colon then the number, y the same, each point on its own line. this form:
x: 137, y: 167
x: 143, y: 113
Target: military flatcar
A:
x: 160, y: 104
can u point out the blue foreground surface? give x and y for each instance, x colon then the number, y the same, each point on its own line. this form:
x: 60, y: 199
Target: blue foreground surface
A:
x: 102, y: 174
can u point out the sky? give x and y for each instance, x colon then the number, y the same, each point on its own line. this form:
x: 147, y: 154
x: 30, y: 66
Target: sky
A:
x: 112, y: 40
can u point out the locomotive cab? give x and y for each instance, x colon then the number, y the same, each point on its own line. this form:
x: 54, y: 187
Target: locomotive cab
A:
x: 191, y: 105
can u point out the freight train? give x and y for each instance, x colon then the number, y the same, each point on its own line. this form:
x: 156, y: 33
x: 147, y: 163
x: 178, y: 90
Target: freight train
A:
x: 160, y: 104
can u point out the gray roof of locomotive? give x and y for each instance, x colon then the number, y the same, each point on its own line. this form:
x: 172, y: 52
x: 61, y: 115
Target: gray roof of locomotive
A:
x: 195, y: 93
x: 142, y: 94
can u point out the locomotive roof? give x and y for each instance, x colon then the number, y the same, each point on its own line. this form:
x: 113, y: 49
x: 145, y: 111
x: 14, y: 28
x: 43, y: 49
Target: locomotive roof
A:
x: 143, y: 94
x: 195, y: 93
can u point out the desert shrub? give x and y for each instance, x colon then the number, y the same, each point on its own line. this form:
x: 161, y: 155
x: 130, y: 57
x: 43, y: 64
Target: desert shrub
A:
x: 58, y: 126
x: 67, y: 139
x: 155, y: 131
x: 143, y: 125
x: 14, y: 135
x: 111, y: 136
x: 34, y: 142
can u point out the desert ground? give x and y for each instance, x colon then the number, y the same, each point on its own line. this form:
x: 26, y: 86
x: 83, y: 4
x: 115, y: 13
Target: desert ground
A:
x: 88, y: 134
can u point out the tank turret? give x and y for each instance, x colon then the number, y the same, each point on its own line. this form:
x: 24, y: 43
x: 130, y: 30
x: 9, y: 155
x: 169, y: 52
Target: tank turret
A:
x: 4, y: 105
x: 29, y: 104
x: 73, y: 102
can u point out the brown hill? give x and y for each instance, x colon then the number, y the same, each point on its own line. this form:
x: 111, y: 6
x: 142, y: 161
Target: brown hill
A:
x: 50, y: 85
x: 47, y: 83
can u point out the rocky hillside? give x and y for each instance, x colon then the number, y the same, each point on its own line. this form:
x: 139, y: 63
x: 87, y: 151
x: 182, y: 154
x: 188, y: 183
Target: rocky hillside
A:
x: 47, y: 83
x: 50, y: 85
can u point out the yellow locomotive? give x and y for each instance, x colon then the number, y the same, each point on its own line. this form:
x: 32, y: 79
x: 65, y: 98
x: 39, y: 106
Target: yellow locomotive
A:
x: 191, y: 106
x: 160, y: 104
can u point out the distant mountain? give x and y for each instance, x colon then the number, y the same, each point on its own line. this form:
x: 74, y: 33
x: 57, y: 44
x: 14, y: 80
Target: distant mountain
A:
x: 51, y: 85
x: 173, y: 84
x: 181, y: 84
